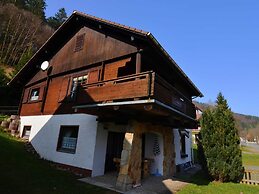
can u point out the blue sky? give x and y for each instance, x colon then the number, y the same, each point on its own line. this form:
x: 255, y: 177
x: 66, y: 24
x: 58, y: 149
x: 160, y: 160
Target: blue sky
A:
x: 216, y: 43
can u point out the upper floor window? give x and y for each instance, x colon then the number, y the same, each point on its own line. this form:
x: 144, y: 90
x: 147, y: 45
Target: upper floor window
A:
x: 77, y: 81
x: 80, y: 39
x: 35, y: 93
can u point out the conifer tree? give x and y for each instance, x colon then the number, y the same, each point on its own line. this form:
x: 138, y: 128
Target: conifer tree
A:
x: 58, y: 19
x: 221, y: 142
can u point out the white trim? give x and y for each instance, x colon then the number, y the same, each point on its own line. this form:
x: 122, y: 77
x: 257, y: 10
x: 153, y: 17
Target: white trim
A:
x: 149, y: 101
x: 115, y: 103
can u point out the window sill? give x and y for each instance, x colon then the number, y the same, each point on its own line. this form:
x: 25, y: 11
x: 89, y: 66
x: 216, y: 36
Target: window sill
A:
x: 184, y: 155
x: 68, y: 151
x: 33, y: 101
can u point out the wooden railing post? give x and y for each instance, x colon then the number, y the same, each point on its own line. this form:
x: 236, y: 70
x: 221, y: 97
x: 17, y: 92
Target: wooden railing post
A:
x: 138, y: 62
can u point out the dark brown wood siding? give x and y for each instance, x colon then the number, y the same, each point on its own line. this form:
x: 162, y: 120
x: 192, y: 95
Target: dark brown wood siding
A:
x: 97, y: 47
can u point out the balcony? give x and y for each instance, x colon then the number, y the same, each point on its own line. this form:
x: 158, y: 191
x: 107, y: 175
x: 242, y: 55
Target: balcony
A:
x: 147, y: 87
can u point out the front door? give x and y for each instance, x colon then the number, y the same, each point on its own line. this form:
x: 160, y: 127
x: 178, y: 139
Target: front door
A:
x: 114, y: 148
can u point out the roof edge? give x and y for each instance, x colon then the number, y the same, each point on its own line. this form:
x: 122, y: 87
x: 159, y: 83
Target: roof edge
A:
x: 117, y: 25
x: 155, y: 41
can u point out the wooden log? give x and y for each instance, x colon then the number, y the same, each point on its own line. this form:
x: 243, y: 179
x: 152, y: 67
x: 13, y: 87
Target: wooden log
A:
x: 5, y: 124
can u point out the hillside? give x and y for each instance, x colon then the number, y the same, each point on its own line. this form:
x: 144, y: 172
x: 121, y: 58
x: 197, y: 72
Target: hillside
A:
x: 23, y: 29
x: 247, y: 125
x: 22, y: 33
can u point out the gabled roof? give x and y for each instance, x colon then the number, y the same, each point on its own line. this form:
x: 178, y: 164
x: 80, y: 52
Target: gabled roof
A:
x: 54, y: 43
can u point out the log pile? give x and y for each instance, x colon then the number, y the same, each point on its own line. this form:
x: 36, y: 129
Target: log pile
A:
x: 11, y: 125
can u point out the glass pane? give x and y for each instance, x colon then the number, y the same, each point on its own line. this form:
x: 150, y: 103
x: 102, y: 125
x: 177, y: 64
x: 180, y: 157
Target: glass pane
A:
x: 68, y: 143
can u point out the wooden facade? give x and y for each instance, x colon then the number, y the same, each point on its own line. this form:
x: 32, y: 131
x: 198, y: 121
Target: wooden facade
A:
x: 101, y: 63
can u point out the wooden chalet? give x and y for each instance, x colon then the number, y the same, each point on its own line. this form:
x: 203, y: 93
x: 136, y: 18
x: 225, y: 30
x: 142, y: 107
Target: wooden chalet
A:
x: 104, y: 83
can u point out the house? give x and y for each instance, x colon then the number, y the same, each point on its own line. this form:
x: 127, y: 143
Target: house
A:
x: 99, y: 96
x: 196, y: 131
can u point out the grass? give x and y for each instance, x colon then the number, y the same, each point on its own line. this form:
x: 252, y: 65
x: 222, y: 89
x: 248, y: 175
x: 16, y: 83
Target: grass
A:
x: 3, y: 117
x: 199, y: 185
x: 250, y: 156
x: 195, y: 153
x: 22, y: 172
x: 250, y: 159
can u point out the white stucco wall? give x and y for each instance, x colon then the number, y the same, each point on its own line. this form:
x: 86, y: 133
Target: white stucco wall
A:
x: 188, y: 144
x: 157, y: 164
x: 44, y: 137
x: 100, y: 151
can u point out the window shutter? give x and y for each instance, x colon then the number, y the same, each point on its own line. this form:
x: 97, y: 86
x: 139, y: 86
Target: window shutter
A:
x: 63, y: 89
x: 93, y: 76
x: 42, y: 91
x: 26, y: 95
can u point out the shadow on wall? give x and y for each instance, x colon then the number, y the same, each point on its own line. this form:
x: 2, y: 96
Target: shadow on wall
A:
x: 64, y: 137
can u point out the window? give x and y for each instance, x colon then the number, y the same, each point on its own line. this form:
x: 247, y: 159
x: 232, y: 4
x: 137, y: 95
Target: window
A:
x: 77, y: 81
x: 183, y: 134
x: 183, y: 147
x: 80, y: 39
x: 26, y: 132
x: 67, y: 139
x: 35, y: 93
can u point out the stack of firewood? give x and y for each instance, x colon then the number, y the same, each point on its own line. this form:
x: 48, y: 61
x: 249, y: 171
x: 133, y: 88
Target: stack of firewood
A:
x: 11, y: 125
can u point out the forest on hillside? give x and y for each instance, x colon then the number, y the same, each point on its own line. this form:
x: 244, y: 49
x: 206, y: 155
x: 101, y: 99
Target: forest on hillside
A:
x: 23, y: 29
x: 247, y: 125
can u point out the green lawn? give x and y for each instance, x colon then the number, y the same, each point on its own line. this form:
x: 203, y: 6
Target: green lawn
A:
x: 250, y: 159
x: 21, y: 172
x: 250, y: 156
x: 199, y: 185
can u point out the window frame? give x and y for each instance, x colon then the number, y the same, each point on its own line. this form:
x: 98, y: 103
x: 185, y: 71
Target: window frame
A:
x: 183, y: 151
x: 30, y: 96
x: 75, y: 83
x: 61, y: 136
x: 24, y: 131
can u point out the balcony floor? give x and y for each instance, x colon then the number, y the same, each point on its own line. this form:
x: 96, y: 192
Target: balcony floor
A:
x: 146, y: 110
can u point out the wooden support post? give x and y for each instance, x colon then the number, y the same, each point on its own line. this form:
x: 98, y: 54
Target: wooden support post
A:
x: 138, y: 62
x: 130, y: 165
x: 169, y: 160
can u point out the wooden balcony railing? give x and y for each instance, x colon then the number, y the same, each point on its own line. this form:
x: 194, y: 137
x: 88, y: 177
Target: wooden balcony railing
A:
x: 169, y: 95
x: 146, y: 85
x: 123, y: 88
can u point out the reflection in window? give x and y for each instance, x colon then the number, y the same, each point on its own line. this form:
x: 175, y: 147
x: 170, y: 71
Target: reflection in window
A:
x: 35, y: 94
x: 26, y: 132
x: 77, y: 81
x: 67, y: 139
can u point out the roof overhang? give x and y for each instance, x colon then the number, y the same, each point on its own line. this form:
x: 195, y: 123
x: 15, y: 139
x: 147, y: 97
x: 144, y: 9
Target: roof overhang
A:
x: 143, y: 107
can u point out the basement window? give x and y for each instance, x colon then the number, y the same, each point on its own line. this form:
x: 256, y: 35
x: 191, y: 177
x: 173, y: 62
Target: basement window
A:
x: 26, y: 132
x: 67, y: 139
x: 35, y: 94
x: 80, y: 39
